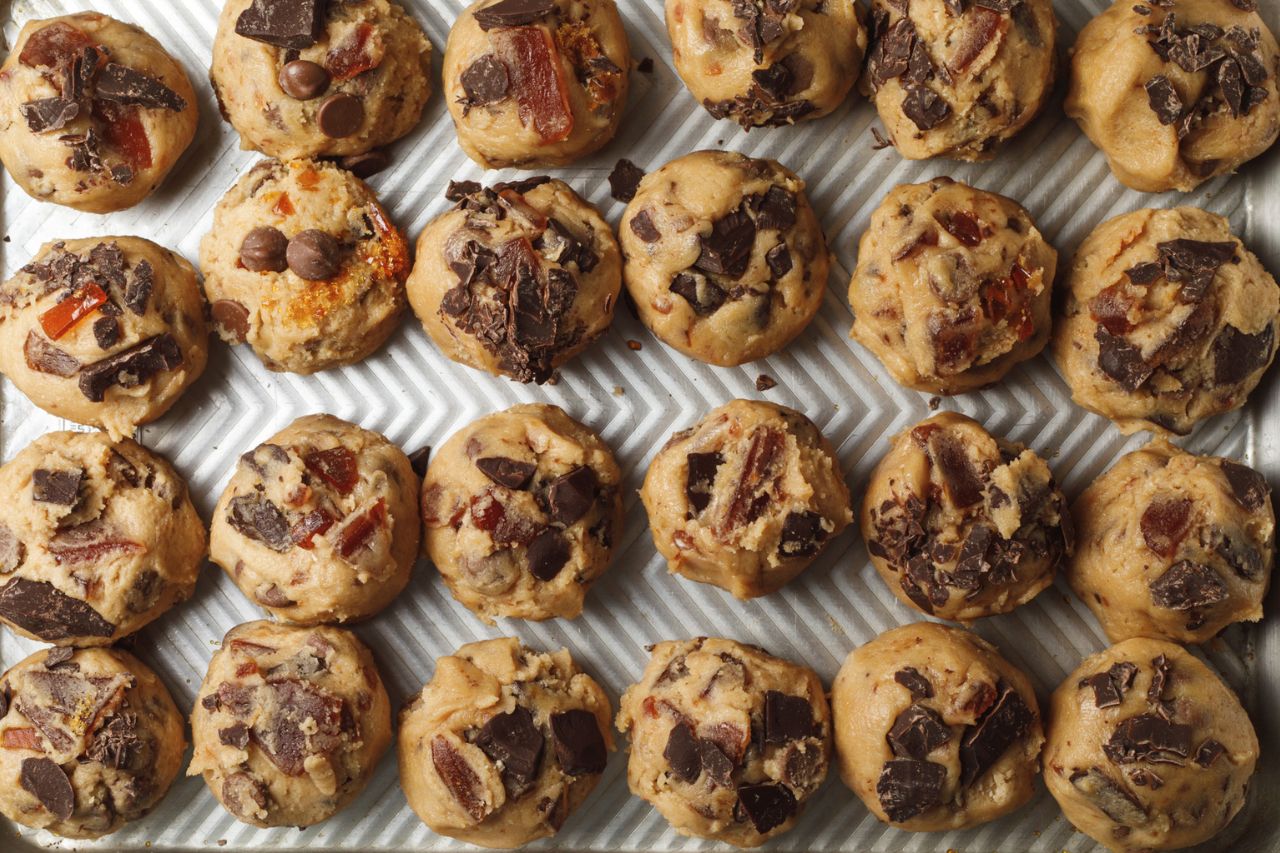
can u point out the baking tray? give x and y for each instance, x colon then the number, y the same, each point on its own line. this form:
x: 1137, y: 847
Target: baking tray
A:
x: 410, y: 392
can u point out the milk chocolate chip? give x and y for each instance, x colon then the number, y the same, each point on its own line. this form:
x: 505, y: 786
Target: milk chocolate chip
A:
x: 340, y: 116
x: 313, y: 255
x: 303, y: 80
x: 263, y: 250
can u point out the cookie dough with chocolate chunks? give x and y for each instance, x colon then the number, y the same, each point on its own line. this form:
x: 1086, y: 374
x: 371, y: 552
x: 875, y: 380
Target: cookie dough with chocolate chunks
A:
x: 935, y: 730
x: 1169, y: 320
x: 1148, y: 749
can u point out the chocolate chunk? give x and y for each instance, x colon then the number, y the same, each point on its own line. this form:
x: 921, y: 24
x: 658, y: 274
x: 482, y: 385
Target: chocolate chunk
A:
x: 624, y: 180
x: 779, y: 260
x: 49, y: 113
x: 1164, y: 524
x: 579, y: 745
x: 786, y: 717
x: 1237, y: 355
x: 232, y: 317
x: 272, y: 595
x: 106, y: 331
x: 459, y: 778
x: 57, y: 657
x: 314, y: 255
x: 700, y: 476
x: 1109, y: 687
x: 43, y: 357
x: 513, y: 740
x: 419, y: 459
x: 56, y: 487
x: 1160, y: 678
x: 40, y: 608
x: 130, y: 368
x: 513, y: 13
x: 284, y: 23
x: 340, y: 115
x: 12, y: 552
x: 777, y: 210
x: 766, y: 805
x: 1209, y: 752
x: 236, y: 735
x: 765, y: 382
x: 1164, y: 99
x: 571, y: 496
x: 925, y: 107
x: 960, y: 480
x: 1186, y: 585
x: 138, y: 291
x: 916, y: 732
x: 910, y: 678
x: 1144, y: 273
x: 682, y: 753
x: 548, y: 553
x: 643, y: 227
x: 983, y: 744
x: 702, y: 294
x: 48, y: 783
x: 1110, y: 796
x: 486, y: 81
x: 1231, y: 83
x: 507, y: 472
x: 303, y: 80
x: 727, y: 250
x: 259, y: 519
x: 802, y: 533
x: 1193, y: 263
x: 126, y: 85
x: 1248, y: 487
x: 263, y: 250
x: 908, y: 787
x: 1121, y: 360
x: 1149, y: 737
x: 367, y: 164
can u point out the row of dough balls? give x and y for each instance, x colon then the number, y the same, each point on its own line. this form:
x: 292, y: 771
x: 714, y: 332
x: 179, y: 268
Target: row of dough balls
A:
x: 1144, y: 747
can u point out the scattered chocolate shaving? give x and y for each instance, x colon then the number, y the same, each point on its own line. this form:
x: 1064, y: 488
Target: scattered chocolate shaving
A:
x: 766, y: 805
x: 40, y: 608
x: 580, y: 747
x: 513, y: 13
x: 510, y: 473
x: 908, y: 787
x: 624, y: 180
x: 1187, y: 585
x: 512, y: 740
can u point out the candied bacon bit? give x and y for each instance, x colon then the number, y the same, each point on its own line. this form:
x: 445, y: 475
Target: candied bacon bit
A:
x: 283, y: 206
x: 390, y: 252
x: 61, y: 318
x: 250, y: 648
x: 486, y: 512
x: 459, y: 778
x: 336, y: 466
x: 1110, y: 309
x: 360, y: 529
x: 89, y: 551
x: 246, y: 668
x: 22, y: 739
x: 125, y: 132
x: 964, y: 226
x: 537, y: 80
x: 351, y: 56
x: 767, y: 445
x: 313, y: 524
x: 976, y: 37
x: 53, y: 45
x: 1007, y: 298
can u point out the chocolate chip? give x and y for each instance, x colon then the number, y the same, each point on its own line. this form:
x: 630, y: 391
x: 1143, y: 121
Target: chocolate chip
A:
x: 624, y: 180
x: 130, y: 368
x: 1237, y: 355
x: 908, y: 787
x: 513, y: 740
x: 106, y: 331
x: 49, y: 113
x: 700, y: 476
x: 1149, y: 737
x: 802, y: 533
x: 643, y: 227
x: 1186, y: 585
x: 366, y: 165
x: 1109, y: 687
x: 232, y: 317
x: 727, y: 249
x: 56, y: 487
x: 42, y: 609
x: 340, y: 115
x: 983, y: 744
x: 1209, y: 752
x: 1248, y: 487
x: 786, y: 717
x: 702, y: 294
x: 548, y: 553
x: 1161, y: 677
x: 260, y: 520
x: 303, y: 80
x: 272, y: 595
x: 579, y: 745
x: 1144, y: 273
x: 507, y: 472
x: 314, y: 255
x: 486, y: 81
x: 126, y: 85
x: 513, y: 13
x: 916, y: 732
x: 263, y: 250
x: 570, y: 496
x: 284, y: 23
x: 910, y: 678
x: 1121, y: 360
x: 766, y: 805
x: 48, y: 783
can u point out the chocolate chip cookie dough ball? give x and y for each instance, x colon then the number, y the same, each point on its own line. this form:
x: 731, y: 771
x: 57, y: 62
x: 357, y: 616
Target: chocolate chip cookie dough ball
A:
x: 727, y: 741
x: 955, y: 79
x: 521, y: 510
x: 953, y: 286
x: 89, y: 740
x: 319, y: 78
x: 319, y: 523
x: 770, y: 63
x: 1148, y: 749
x: 723, y: 256
x: 961, y: 524
x: 1169, y: 320
x: 97, y: 538
x: 935, y: 730
x: 1176, y: 93
x: 536, y: 83
x: 289, y: 723
x: 517, y: 278
x: 503, y: 744
x: 105, y: 331
x: 304, y: 265
x: 93, y: 112
x: 745, y: 499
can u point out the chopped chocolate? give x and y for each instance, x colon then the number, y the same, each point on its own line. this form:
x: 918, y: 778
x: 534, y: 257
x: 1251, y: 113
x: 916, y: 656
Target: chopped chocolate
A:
x: 702, y: 294
x: 580, y: 747
x: 570, y: 496
x: 106, y: 331
x: 548, y: 553
x: 682, y: 753
x: 983, y: 743
x: 513, y: 13
x: 767, y: 805
x: 272, y: 595
x: 48, y: 783
x: 751, y: 492
x: 1164, y: 99
x: 624, y: 180
x: 918, y: 731
x: 1237, y: 355
x: 56, y: 487
x: 236, y: 735
x: 1194, y: 262
x: 1145, y: 273
x: 314, y: 255
x: 1109, y: 687
x: 960, y: 480
x: 699, y: 478
x: 1209, y: 752
x: 419, y: 459
x: 49, y: 113
x: 779, y: 260
x: 765, y: 382
x: 1162, y: 673
x: 910, y: 678
x: 908, y: 787
x: 643, y: 227
x: 925, y: 107
x: 1151, y: 738
x: 727, y: 249
x: 1187, y: 585
x: 459, y: 778
x: 507, y: 472
x: 126, y: 85
x: 1121, y: 360
x: 802, y: 534
x: 138, y: 291
x: 261, y: 520
x: 43, y: 357
x: 513, y: 740
x: 40, y: 608
x: 786, y: 717
x: 1248, y: 487
x: 1165, y: 523
x: 486, y: 81
x: 293, y: 24
x: 130, y: 368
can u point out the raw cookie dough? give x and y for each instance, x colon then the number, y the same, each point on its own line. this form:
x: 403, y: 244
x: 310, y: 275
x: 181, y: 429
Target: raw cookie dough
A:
x: 935, y: 730
x: 304, y: 264
x: 93, y: 112
x: 1169, y: 320
x: 953, y: 286
x: 727, y: 741
x: 98, y: 538
x: 745, y: 499
x: 956, y: 79
x: 536, y: 83
x: 319, y: 523
x: 104, y: 331
x: 766, y: 64
x: 723, y: 256
x: 1148, y: 749
x: 516, y: 279
x: 89, y: 740
x: 289, y: 723
x: 320, y: 78
x: 961, y: 524
x: 1173, y: 545
x: 521, y: 510
x: 503, y: 743
x: 1175, y: 93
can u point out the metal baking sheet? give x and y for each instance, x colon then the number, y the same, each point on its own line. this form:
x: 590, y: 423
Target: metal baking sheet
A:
x: 635, y: 398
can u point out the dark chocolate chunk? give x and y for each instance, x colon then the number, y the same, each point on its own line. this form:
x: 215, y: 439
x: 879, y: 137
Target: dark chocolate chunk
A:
x: 579, y: 745
x: 624, y: 180
x: 682, y: 753
x: 1162, y: 673
x: 513, y: 740
x: 259, y: 519
x: 236, y: 735
x: 263, y: 250
x: 643, y: 227
x: 340, y: 115
x: 1209, y: 752
x: 48, y: 783
x: 786, y: 717
x: 56, y: 487
x: 130, y: 368
x: 1248, y: 487
x: 908, y: 787
x: 106, y: 331
x: 727, y: 250
x: 419, y: 459
x: 507, y: 472
x: 1186, y: 585
x: 303, y: 80
x: 570, y: 496
x: 1151, y: 738
x: 916, y: 732
x: 802, y: 533
x: 1193, y: 263
x: 765, y: 382
x: 1121, y: 360
x: 777, y: 210
x: 40, y: 608
x: 925, y: 107
x: 1164, y: 100
x: 284, y: 23
x: 367, y: 164
x: 43, y: 357
x: 137, y: 292
x: 486, y: 81
x: 779, y: 260
x: 314, y: 255
x: 960, y: 480
x: 767, y: 805
x: 126, y: 85
x: 699, y: 477
x: 1144, y: 273
x: 1109, y: 687
x: 983, y: 744
x: 702, y: 294
x: 513, y: 13
x: 1237, y: 355
x: 910, y: 678
x: 548, y: 553
x: 1231, y: 83
x: 49, y: 113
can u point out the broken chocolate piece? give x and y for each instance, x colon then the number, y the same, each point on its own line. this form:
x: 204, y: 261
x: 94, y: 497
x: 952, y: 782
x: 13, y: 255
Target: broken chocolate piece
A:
x: 571, y: 496
x: 40, y: 608
x: 702, y: 294
x: 507, y: 472
x: 767, y: 805
x: 106, y: 331
x: 700, y: 476
x: 910, y: 678
x: 48, y: 783
x: 1209, y: 752
x: 682, y: 753
x: 1248, y: 487
x: 1151, y: 738
x: 43, y: 357
x: 259, y: 519
x: 786, y: 717
x: 1109, y: 687
x: 917, y: 731
x: 1164, y: 99
x: 908, y: 787
x: 1237, y: 355
x: 727, y: 249
x: 486, y: 81
x: 643, y: 227
x: 513, y: 13
x: 1121, y: 360
x: 56, y: 487
x: 126, y: 85
x: 49, y: 113
x: 12, y: 553
x: 1187, y: 585
x: 548, y: 553
x: 513, y: 740
x: 802, y: 533
x: 983, y: 744
x: 624, y: 180
x: 1115, y: 801
x: 580, y: 747
x: 130, y: 368
x: 293, y: 24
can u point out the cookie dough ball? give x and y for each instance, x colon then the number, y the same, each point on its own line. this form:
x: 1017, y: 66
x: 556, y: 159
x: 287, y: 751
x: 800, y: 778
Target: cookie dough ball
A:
x: 93, y: 112
x: 521, y: 510
x: 104, y: 331
x: 955, y: 79
x: 745, y: 499
x: 935, y: 730
x: 771, y: 64
x: 97, y: 538
x: 1176, y: 93
x: 953, y: 286
x: 1169, y: 320
x: 319, y: 79
x: 503, y: 744
x: 517, y: 278
x: 536, y: 83
x: 304, y: 265
x: 319, y: 523
x: 723, y: 256
x: 727, y: 741
x: 1174, y: 545
x: 1148, y: 749
x: 961, y: 524
x: 89, y: 740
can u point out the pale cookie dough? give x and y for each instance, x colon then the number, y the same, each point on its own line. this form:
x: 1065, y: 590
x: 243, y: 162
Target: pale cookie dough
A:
x: 1148, y: 749
x: 1173, y: 545
x: 745, y: 499
x: 97, y: 538
x: 767, y: 63
x: 320, y: 78
x: 319, y: 523
x: 935, y: 730
x: 723, y: 256
x: 961, y: 524
x: 521, y: 510
x: 104, y: 331
x: 1174, y: 93
x: 516, y: 279
x: 304, y: 264
x: 89, y: 740
x: 955, y: 79
x: 536, y: 83
x: 93, y: 112
x: 503, y: 744
x: 289, y: 723
x: 727, y: 741
x: 953, y: 286
x: 1169, y: 320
